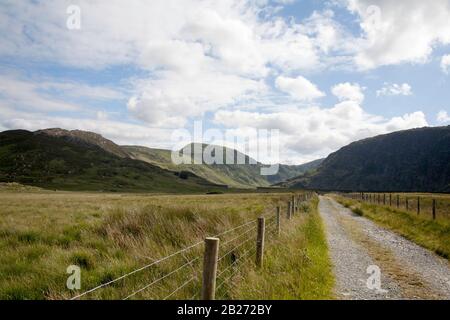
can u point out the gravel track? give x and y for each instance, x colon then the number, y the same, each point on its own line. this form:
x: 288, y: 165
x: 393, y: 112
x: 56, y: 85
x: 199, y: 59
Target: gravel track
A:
x: 408, y: 271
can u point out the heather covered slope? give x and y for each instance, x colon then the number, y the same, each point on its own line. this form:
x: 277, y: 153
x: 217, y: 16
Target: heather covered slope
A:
x: 246, y: 175
x: 235, y: 175
x: 69, y: 161
x: 410, y: 160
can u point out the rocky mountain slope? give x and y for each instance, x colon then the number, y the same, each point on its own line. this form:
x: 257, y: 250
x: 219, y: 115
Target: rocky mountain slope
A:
x: 58, y: 159
x: 410, y: 160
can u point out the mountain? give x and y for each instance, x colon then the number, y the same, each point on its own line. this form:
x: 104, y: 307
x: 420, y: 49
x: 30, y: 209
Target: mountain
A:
x: 86, y: 138
x: 77, y: 160
x: 416, y: 160
x: 287, y: 172
x: 246, y: 175
x: 234, y: 175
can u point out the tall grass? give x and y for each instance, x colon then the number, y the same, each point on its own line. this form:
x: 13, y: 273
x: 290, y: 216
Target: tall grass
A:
x: 431, y: 234
x: 109, y: 235
x: 297, y: 265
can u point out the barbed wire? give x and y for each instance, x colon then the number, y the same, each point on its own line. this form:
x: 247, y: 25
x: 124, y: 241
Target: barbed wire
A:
x: 194, y: 296
x: 236, y: 228
x: 240, y: 235
x: 156, y: 262
x: 161, y: 278
x: 179, y: 288
x: 268, y: 217
x: 238, y: 246
x: 137, y: 270
x: 234, y: 263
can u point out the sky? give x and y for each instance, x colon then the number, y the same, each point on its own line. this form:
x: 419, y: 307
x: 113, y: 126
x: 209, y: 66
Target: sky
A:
x: 323, y: 73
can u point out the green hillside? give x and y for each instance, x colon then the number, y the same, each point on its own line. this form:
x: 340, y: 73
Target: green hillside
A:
x: 415, y: 160
x: 80, y: 160
x: 73, y: 162
x: 239, y: 176
x: 287, y: 172
x: 246, y: 175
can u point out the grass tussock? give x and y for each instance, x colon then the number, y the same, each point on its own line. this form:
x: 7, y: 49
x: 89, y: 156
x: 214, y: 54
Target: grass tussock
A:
x: 431, y: 234
x: 296, y: 267
x: 108, y: 235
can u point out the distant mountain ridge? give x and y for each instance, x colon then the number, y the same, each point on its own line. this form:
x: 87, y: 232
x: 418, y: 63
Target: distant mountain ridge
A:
x: 87, y: 137
x: 64, y: 158
x: 235, y: 175
x: 416, y: 160
x: 80, y: 161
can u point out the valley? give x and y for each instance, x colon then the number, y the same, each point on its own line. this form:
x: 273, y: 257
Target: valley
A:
x: 133, y: 223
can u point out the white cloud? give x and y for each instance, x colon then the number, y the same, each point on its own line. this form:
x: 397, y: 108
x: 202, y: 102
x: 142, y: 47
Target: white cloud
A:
x: 348, y: 92
x: 314, y: 132
x: 284, y: 1
x: 443, y: 117
x: 288, y: 47
x: 170, y: 100
x: 49, y: 95
x: 120, y: 132
x: 394, y: 89
x: 19, y: 93
x: 400, y: 31
x: 200, y: 56
x: 445, y: 63
x: 408, y: 121
x: 231, y: 46
x: 299, y: 88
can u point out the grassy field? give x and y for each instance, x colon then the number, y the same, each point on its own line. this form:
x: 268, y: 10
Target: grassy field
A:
x: 419, y: 228
x: 409, y: 202
x: 109, y: 235
x: 297, y: 266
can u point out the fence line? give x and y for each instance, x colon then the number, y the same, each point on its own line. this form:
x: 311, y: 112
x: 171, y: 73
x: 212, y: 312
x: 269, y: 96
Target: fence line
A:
x: 240, y: 235
x: 137, y: 270
x: 231, y: 251
x: 268, y: 217
x: 408, y: 202
x: 234, y: 229
x: 179, y: 288
x: 162, y: 278
x: 245, y: 255
x: 156, y: 262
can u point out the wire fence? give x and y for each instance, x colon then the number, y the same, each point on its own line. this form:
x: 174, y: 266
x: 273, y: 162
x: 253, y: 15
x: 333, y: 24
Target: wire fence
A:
x: 433, y: 206
x: 179, y: 275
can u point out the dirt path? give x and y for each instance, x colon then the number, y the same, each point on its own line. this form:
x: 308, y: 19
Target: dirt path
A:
x: 408, y: 271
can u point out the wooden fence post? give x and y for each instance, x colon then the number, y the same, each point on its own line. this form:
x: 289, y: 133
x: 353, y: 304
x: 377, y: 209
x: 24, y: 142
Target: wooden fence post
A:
x: 418, y: 205
x: 260, y: 242
x: 384, y: 199
x: 278, y: 221
x: 390, y: 199
x: 210, y: 268
x: 292, y: 209
x: 398, y: 201
x: 434, y: 209
x: 406, y: 204
x: 288, y: 212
